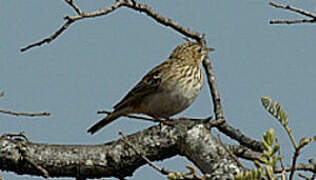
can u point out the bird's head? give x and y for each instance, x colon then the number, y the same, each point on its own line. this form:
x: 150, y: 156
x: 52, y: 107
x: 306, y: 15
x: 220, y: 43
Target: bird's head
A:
x: 191, y: 51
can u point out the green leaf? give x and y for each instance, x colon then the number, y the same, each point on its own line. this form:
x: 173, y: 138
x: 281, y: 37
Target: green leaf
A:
x: 275, y: 149
x: 269, y: 137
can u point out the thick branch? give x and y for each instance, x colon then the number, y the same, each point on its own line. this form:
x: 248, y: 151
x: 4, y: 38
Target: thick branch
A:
x: 116, y: 158
x: 203, y: 149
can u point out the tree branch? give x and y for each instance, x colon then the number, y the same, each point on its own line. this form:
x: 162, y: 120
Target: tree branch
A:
x: 116, y: 158
x: 24, y: 113
x: 237, y: 135
x: 162, y: 20
x: 213, y: 89
x: 74, y: 6
x: 72, y: 19
x: 127, y: 3
x: 300, y: 167
x: 219, y: 115
x: 296, y: 10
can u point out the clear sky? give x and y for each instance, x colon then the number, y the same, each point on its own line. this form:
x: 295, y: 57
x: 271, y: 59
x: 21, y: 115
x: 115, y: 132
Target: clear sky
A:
x: 93, y: 65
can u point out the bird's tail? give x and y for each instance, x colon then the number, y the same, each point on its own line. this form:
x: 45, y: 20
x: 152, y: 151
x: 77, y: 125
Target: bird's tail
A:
x: 105, y: 121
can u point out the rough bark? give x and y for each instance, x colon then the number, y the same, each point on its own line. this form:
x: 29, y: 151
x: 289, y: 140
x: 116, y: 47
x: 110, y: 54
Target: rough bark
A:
x: 186, y: 137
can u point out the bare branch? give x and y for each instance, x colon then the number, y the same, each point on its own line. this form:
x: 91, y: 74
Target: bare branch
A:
x: 300, y: 167
x: 304, y: 177
x: 117, y: 159
x: 74, y: 6
x: 24, y: 113
x: 50, y: 38
x: 245, y: 153
x: 72, y: 19
x: 293, y: 9
x: 127, y: 3
x: 213, y: 89
x: 162, y: 20
x: 237, y: 135
x: 296, y: 21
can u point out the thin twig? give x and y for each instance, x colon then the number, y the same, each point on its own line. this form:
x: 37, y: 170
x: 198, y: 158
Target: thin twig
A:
x: 36, y: 166
x: 24, y: 113
x: 283, y: 173
x: 50, y: 38
x: 70, y: 20
x: 304, y: 177
x: 194, y: 173
x: 162, y: 20
x: 299, y: 167
x: 296, y: 154
x: 191, y: 175
x: 74, y: 6
x: 213, y: 89
x: 293, y: 9
x: 303, y: 143
x: 138, y: 152
x: 232, y: 155
x: 127, y: 3
x: 296, y: 21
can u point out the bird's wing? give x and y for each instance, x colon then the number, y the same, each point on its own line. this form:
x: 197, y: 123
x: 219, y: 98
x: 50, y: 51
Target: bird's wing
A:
x: 148, y: 85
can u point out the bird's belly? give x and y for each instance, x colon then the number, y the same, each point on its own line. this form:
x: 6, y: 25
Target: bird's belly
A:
x: 170, y: 102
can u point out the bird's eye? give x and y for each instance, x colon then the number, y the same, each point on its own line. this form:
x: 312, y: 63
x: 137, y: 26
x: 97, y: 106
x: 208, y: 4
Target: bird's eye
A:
x: 200, y: 50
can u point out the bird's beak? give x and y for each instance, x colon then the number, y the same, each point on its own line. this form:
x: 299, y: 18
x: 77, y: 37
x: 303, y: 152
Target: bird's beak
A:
x: 210, y: 49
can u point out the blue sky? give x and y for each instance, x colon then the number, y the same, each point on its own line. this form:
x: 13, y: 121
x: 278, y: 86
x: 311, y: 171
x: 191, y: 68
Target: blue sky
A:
x: 96, y: 61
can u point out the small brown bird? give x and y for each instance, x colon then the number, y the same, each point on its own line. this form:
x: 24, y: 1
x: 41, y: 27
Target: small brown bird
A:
x: 167, y: 89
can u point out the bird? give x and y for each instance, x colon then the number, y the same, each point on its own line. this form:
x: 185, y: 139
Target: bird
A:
x: 167, y: 89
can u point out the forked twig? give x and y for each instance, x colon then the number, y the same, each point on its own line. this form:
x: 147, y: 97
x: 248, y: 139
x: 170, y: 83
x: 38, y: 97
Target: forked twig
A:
x: 127, y: 3
x: 296, y: 10
x: 74, y: 6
